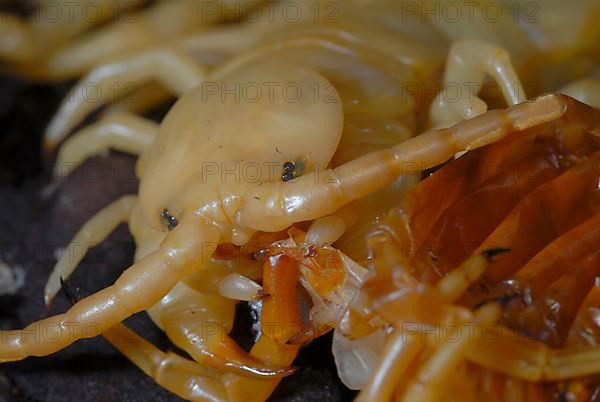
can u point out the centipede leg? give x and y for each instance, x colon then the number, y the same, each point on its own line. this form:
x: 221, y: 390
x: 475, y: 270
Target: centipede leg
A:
x: 174, y: 69
x: 121, y: 132
x: 200, y: 324
x: 183, y: 377
x: 92, y: 233
x: 279, y: 322
x: 469, y: 61
x: 138, y: 288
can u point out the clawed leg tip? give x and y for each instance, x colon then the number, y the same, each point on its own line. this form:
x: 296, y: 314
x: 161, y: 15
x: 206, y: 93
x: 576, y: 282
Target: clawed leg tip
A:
x: 284, y: 371
x: 69, y: 292
x: 51, y: 290
x: 48, y: 301
x: 269, y: 371
x: 48, y: 146
x: 291, y: 370
x: 492, y: 253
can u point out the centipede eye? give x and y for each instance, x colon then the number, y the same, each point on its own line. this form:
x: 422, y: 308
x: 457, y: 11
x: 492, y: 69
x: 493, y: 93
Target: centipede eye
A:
x: 287, y: 176
x: 291, y: 170
x: 169, y: 219
x: 289, y: 166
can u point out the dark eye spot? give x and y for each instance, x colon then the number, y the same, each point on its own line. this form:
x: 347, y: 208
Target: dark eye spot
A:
x: 169, y: 219
x: 287, y: 176
x: 291, y: 170
x: 289, y: 166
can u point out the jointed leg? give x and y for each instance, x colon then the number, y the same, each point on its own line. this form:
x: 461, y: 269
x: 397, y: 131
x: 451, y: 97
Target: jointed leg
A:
x: 145, y: 97
x: 181, y: 376
x: 166, y: 22
x: 175, y: 70
x: 509, y: 352
x: 138, y: 288
x: 552, y: 262
x: 200, y: 324
x: 121, y: 131
x: 429, y: 379
x: 531, y: 360
x: 403, y: 347
x: 16, y: 40
x: 173, y: 372
x: 400, y: 350
x: 219, y: 279
x: 227, y: 40
x: 468, y: 64
x: 586, y: 91
x: 55, y: 23
x: 275, y: 206
x: 92, y: 233
x: 230, y: 40
x: 279, y: 322
x: 524, y: 358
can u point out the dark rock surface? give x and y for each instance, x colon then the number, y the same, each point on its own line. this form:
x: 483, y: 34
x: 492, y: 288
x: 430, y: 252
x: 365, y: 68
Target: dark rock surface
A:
x: 37, y: 219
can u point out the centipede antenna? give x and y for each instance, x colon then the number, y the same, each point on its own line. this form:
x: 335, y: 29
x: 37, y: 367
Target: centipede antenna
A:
x: 500, y: 300
x: 69, y: 292
x: 428, y: 172
x: 302, y: 337
x: 263, y: 296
